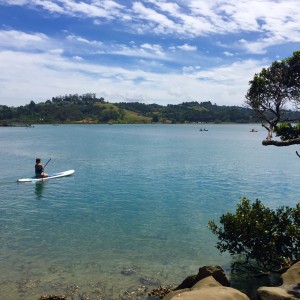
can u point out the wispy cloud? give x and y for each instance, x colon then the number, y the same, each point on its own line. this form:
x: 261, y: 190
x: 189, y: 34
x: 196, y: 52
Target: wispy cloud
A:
x: 184, y: 47
x: 274, y: 21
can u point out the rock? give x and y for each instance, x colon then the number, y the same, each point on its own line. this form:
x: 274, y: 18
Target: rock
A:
x: 292, y: 275
x: 215, y: 271
x: 187, y: 283
x: 207, y: 293
x: 274, y: 293
x: 289, y: 290
x: 209, y: 284
x: 209, y: 281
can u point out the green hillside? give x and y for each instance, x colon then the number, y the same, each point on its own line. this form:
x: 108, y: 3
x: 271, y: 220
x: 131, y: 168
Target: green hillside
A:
x: 88, y: 108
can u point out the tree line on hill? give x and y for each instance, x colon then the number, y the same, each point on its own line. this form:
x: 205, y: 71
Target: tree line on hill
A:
x: 87, y: 108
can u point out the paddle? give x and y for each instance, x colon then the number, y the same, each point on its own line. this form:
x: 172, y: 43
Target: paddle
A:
x: 47, y: 163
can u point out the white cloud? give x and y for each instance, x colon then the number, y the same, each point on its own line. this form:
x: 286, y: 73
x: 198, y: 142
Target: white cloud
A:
x: 16, y: 39
x: 84, y: 40
x: 92, y: 9
x: 45, y: 75
x: 21, y: 41
x: 145, y: 50
x: 86, y: 9
x: 56, y: 51
x: 157, y: 49
x: 50, y: 6
x: 77, y: 57
x: 187, y: 47
x: 273, y: 21
x: 226, y: 53
x: 161, y: 21
x: 14, y: 2
x: 169, y: 7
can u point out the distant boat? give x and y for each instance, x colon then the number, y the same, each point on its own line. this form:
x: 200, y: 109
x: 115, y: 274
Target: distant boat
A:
x: 253, y: 130
x: 203, y: 129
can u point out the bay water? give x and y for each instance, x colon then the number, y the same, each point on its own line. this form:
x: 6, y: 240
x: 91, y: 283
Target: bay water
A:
x: 134, y: 214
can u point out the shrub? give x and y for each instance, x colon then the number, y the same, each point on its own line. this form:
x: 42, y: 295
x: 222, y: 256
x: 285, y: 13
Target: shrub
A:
x: 264, y: 239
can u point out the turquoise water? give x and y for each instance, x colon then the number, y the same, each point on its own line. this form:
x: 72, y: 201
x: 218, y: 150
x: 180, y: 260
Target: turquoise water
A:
x: 134, y: 215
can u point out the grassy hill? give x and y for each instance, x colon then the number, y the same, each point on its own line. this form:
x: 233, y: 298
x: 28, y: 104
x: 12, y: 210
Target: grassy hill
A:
x: 89, y: 109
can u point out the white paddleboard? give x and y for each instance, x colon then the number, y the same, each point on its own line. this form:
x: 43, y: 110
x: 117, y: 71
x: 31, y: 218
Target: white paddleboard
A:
x: 50, y: 176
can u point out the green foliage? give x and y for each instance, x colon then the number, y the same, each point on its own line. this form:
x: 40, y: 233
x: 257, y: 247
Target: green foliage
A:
x: 264, y: 239
x: 155, y: 118
x: 109, y: 114
x: 286, y: 131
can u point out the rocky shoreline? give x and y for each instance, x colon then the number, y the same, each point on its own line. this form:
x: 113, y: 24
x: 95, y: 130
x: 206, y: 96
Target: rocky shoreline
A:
x: 211, y: 283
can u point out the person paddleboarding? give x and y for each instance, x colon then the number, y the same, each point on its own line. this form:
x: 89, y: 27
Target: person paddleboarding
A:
x: 39, y: 169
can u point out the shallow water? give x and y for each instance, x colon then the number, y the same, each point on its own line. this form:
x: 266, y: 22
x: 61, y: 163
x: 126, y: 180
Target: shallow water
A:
x: 134, y: 215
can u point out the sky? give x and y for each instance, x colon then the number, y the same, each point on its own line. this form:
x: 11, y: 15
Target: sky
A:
x: 149, y: 51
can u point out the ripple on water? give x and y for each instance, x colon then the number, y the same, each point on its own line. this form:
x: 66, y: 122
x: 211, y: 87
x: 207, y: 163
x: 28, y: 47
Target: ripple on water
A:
x: 135, y: 212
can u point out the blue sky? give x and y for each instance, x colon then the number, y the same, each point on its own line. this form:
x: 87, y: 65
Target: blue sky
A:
x: 151, y: 51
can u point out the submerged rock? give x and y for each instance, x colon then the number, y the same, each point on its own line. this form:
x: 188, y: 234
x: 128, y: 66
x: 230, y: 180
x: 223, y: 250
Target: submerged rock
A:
x: 53, y: 297
x: 161, y: 291
x: 128, y: 272
x: 135, y: 293
x: 28, y: 284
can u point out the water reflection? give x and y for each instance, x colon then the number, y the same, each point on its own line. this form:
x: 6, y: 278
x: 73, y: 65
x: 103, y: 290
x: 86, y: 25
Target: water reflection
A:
x: 39, y: 189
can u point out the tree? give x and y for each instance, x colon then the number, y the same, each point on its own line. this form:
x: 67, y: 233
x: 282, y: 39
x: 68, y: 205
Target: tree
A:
x: 109, y: 114
x: 266, y: 240
x: 155, y: 118
x: 271, y: 92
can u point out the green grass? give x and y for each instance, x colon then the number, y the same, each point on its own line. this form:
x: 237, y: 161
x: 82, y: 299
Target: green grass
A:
x: 133, y: 117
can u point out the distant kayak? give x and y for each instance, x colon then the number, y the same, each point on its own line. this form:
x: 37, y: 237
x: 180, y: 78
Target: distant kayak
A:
x: 51, y: 176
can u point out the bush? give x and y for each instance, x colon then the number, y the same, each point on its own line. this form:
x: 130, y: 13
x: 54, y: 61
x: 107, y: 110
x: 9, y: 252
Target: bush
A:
x: 287, y: 132
x: 264, y: 239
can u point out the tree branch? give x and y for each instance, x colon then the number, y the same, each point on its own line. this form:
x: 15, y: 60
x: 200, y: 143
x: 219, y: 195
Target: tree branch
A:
x: 281, y: 143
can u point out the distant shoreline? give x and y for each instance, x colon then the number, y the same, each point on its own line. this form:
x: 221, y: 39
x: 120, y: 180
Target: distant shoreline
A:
x: 16, y: 125
x: 119, y: 123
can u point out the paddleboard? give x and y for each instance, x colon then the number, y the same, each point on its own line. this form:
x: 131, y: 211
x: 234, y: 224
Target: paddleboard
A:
x: 51, y: 176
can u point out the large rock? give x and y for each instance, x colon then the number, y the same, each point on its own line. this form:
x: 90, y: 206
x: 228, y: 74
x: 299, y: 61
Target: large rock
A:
x: 213, y: 293
x: 215, y: 271
x: 208, y: 284
x: 289, y: 290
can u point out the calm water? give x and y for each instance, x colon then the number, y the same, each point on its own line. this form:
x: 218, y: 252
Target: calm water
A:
x: 135, y: 212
